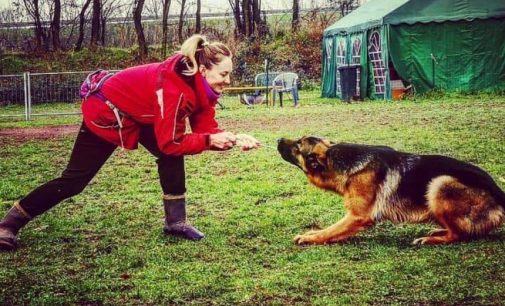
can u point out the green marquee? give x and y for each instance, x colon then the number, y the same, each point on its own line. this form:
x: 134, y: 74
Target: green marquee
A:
x: 454, y: 45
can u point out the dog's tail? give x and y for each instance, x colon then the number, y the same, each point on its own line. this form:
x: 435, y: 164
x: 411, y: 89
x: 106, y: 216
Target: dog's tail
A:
x: 482, y: 179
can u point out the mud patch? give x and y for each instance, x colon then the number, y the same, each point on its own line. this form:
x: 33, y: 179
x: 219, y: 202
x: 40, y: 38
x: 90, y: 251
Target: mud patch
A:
x: 21, y: 135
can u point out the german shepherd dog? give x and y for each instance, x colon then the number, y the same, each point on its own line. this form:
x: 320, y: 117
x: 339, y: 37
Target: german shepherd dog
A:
x: 379, y: 183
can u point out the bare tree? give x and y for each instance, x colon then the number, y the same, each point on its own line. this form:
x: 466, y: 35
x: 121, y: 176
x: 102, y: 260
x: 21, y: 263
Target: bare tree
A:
x: 9, y: 39
x: 55, y: 25
x: 198, y: 27
x: 8, y: 15
x: 259, y: 24
x: 95, y: 23
x: 345, y: 6
x: 295, y: 22
x: 82, y: 21
x: 251, y: 18
x: 164, y: 25
x: 235, y: 7
x: 246, y: 18
x: 137, y: 20
x: 70, y: 10
x: 108, y: 8
x: 181, y: 20
x: 33, y: 9
x: 152, y: 8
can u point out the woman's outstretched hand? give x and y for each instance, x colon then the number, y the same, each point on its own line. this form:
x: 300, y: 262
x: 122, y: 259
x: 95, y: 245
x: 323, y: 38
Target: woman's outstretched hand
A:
x: 223, y: 141
x: 247, y: 142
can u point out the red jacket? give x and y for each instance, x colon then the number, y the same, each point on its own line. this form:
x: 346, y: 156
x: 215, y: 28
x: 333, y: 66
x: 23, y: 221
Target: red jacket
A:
x: 154, y: 94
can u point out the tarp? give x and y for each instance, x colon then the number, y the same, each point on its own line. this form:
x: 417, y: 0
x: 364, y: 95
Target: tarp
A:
x: 460, y: 55
x: 446, y: 44
x: 445, y: 10
x: 379, y: 12
x: 366, y: 16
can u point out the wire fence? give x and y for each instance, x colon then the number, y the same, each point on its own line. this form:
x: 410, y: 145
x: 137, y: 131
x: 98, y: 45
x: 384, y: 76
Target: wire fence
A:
x: 28, y: 95
x: 32, y: 89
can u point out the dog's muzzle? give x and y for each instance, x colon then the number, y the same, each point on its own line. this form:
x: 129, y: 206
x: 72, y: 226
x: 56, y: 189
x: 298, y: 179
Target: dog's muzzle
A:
x: 285, y: 148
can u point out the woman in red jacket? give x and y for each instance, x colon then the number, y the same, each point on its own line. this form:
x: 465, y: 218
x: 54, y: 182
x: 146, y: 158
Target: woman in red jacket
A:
x: 148, y: 104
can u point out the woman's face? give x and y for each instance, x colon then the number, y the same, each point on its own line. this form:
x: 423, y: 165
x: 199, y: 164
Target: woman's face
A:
x: 218, y: 76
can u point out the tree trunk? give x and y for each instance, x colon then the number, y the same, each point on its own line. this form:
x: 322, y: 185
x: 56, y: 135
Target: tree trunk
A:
x: 39, y: 30
x: 235, y: 7
x: 295, y: 22
x: 32, y: 7
x: 95, y: 24
x: 166, y: 7
x: 198, y: 27
x: 181, y: 20
x: 246, y: 14
x: 82, y: 20
x: 137, y: 20
x: 256, y: 10
x: 55, y: 25
x: 103, y: 29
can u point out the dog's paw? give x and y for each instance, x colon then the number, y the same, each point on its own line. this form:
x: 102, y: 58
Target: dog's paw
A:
x: 420, y: 241
x: 437, y: 232
x: 308, y: 239
x: 435, y: 240
x: 303, y: 239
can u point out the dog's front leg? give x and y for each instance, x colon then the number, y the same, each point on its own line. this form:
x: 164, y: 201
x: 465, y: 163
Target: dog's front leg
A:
x: 343, y: 229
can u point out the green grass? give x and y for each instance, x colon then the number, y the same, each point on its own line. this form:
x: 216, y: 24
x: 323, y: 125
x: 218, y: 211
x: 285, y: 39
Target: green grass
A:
x: 105, y: 246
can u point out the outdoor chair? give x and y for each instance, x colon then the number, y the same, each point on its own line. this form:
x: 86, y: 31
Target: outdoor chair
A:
x: 285, y: 82
x: 265, y: 79
x: 260, y: 80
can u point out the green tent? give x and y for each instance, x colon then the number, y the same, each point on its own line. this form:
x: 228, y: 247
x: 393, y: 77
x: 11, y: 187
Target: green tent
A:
x: 453, y: 45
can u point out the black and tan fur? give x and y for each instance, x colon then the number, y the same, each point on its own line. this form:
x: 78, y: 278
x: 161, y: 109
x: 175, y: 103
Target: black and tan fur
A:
x: 379, y: 183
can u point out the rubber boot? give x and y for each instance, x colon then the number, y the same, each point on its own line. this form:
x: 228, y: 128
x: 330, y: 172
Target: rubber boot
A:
x: 13, y: 221
x: 175, y: 219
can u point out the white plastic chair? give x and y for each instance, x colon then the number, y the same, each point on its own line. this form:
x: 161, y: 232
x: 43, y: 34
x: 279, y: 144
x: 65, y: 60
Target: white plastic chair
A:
x: 285, y: 82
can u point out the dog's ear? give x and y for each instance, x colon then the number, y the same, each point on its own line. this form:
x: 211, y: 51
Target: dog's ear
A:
x: 333, y: 158
x: 316, y: 163
x: 327, y: 142
x: 347, y: 158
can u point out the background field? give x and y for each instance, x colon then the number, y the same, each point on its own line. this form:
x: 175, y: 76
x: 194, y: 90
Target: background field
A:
x: 106, y: 246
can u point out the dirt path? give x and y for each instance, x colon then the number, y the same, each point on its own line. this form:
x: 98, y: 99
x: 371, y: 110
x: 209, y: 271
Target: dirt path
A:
x: 20, y: 135
x: 47, y: 132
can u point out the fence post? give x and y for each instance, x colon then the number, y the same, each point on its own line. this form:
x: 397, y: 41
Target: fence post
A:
x: 268, y: 80
x: 29, y: 90
x: 25, y: 89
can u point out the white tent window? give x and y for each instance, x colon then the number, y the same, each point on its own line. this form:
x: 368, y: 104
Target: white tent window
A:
x: 328, y: 49
x: 356, y: 59
x: 375, y: 54
x: 340, y: 61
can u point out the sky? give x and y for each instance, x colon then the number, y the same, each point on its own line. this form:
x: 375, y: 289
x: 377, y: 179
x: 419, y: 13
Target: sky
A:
x: 214, y: 6
x: 266, y: 4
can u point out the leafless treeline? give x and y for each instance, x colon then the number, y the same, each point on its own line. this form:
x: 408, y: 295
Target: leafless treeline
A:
x: 74, y: 24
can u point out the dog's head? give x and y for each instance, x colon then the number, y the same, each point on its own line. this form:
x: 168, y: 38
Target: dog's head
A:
x: 308, y: 153
x: 329, y: 165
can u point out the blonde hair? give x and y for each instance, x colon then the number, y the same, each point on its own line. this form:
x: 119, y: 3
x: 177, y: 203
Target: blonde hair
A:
x: 198, y: 51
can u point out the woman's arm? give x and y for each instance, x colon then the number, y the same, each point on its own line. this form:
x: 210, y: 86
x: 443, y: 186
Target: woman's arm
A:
x: 204, y: 121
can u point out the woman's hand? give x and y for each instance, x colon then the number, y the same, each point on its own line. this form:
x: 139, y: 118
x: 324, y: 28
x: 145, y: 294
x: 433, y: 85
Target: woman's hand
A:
x: 223, y: 141
x: 247, y: 142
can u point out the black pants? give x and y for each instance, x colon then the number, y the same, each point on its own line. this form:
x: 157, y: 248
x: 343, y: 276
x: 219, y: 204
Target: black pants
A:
x: 88, y: 155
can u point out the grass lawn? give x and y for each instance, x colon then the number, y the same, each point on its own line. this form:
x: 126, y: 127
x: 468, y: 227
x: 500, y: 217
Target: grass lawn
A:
x: 105, y: 246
